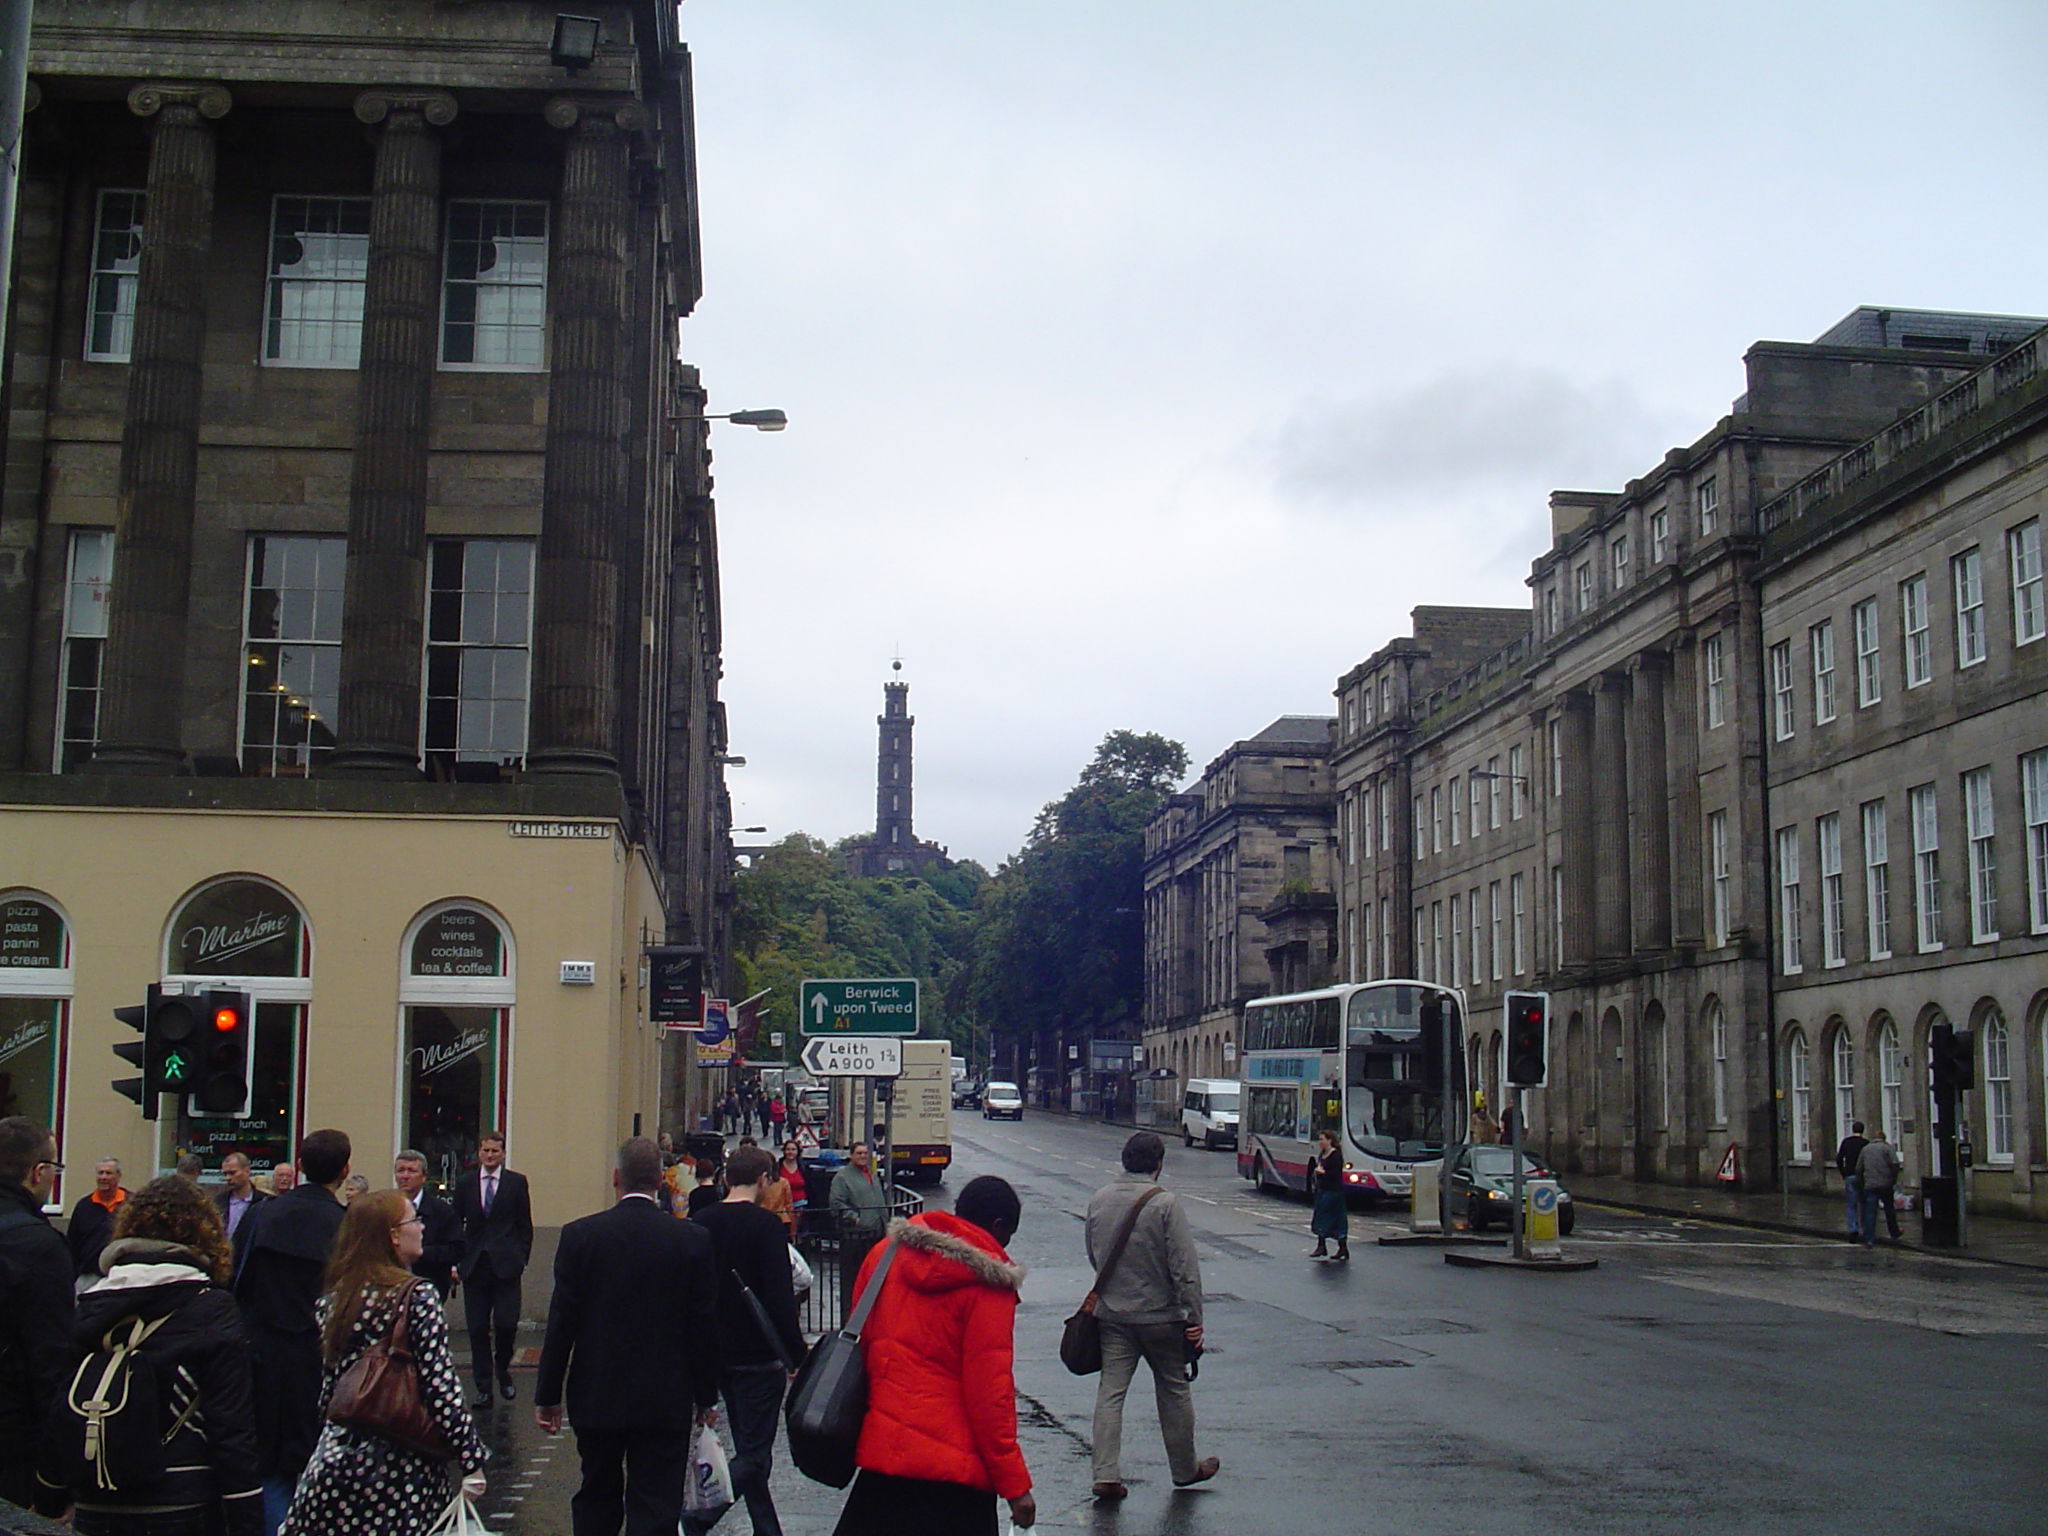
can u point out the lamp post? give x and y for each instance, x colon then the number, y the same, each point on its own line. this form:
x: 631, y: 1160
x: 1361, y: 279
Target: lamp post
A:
x: 760, y: 421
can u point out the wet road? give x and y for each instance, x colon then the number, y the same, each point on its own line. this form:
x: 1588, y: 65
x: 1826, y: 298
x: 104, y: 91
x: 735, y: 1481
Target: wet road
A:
x: 1703, y: 1379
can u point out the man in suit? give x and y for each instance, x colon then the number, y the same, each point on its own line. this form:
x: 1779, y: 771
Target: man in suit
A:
x: 239, y: 1195
x: 634, y: 1318
x: 441, y: 1237
x: 497, y: 1240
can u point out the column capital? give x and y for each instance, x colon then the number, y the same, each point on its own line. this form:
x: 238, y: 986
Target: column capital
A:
x: 1648, y: 664
x: 152, y: 96
x: 588, y: 111
x: 437, y: 107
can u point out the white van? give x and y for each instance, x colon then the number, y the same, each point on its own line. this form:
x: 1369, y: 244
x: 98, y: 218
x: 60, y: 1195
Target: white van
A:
x: 1208, y: 1112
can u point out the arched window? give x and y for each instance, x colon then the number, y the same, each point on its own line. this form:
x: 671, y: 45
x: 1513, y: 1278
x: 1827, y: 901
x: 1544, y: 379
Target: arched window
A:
x: 1845, y: 1084
x: 250, y: 935
x: 1891, y: 1080
x: 456, y: 991
x: 1997, y: 1088
x: 1799, y: 1078
x: 35, y: 1013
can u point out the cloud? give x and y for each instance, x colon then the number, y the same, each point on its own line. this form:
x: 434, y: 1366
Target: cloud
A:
x: 1466, y: 439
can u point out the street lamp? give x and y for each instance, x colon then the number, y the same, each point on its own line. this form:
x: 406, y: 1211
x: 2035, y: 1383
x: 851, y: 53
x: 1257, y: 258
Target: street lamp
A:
x: 727, y: 760
x: 760, y: 421
x: 575, y: 44
x: 1481, y: 773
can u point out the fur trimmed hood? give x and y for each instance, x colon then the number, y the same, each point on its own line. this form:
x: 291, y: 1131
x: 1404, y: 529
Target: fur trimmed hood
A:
x: 941, y: 1252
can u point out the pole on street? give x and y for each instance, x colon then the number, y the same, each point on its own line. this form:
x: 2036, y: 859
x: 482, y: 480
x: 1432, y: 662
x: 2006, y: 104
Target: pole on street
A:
x: 1521, y: 1223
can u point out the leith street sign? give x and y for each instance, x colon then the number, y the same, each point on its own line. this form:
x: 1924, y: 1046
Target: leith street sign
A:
x: 853, y: 1056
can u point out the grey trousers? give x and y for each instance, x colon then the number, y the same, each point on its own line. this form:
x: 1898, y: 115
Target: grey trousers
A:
x: 1159, y: 1345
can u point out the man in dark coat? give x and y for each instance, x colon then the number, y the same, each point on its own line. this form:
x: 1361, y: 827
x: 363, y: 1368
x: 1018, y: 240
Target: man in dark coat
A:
x: 441, y: 1235
x: 281, y: 1251
x: 92, y: 1219
x: 632, y: 1327
x: 35, y: 1314
x: 497, y: 1240
x: 238, y: 1194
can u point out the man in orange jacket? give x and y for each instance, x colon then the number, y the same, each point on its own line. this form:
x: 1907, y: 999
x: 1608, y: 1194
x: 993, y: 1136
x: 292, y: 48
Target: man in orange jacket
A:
x: 939, y: 1444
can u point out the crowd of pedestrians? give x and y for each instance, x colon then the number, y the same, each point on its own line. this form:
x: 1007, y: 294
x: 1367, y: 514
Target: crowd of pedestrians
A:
x: 259, y: 1320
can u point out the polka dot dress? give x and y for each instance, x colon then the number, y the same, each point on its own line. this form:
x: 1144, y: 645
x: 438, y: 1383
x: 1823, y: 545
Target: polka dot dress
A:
x: 359, y: 1483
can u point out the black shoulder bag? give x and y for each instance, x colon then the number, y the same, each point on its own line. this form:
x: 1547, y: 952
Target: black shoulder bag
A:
x: 829, y: 1398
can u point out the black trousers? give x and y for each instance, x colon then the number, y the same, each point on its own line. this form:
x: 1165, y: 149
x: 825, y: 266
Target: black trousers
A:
x: 491, y: 1308
x: 753, y: 1404
x: 632, y: 1477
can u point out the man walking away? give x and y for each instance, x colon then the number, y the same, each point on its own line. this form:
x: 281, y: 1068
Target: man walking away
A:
x: 35, y: 1315
x: 751, y: 1248
x: 1878, y: 1166
x: 440, y: 1227
x: 239, y: 1195
x: 92, y: 1219
x: 497, y: 1240
x: 860, y: 1212
x: 1150, y: 1309
x: 632, y: 1334
x: 281, y: 1252
x: 1846, y: 1156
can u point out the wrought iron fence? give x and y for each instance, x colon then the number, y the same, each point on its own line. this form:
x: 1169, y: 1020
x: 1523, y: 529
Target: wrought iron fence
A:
x: 835, y: 1253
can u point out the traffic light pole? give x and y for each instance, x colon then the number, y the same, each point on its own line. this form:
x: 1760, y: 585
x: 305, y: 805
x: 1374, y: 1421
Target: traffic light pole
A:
x: 1521, y: 1217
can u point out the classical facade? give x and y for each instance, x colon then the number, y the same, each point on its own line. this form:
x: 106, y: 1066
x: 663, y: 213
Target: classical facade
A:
x: 1623, y: 796
x: 359, y: 597
x: 1238, y: 878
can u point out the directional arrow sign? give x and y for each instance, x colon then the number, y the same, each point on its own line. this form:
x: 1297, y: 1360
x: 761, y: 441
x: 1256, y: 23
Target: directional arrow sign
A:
x: 853, y: 1056
x: 858, y: 1007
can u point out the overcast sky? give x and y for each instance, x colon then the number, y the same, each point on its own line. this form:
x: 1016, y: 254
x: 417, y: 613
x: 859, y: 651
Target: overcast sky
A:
x: 1146, y: 363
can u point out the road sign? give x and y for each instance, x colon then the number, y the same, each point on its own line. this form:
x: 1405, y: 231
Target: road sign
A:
x: 854, y: 1056
x: 858, y: 1007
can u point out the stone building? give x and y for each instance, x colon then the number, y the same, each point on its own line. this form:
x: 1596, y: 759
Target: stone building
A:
x: 1238, y: 900
x: 1904, y: 667
x: 359, y: 596
x: 1603, y: 798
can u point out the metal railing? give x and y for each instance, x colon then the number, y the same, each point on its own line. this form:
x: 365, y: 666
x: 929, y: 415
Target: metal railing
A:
x: 835, y: 1255
x: 1956, y: 404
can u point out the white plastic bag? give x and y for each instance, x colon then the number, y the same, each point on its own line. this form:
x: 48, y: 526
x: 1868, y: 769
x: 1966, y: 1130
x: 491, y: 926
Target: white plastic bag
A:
x: 800, y: 1277
x: 460, y: 1519
x: 709, y: 1490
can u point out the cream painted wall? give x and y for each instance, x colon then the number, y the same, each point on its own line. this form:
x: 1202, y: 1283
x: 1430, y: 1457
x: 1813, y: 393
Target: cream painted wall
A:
x: 582, y: 1059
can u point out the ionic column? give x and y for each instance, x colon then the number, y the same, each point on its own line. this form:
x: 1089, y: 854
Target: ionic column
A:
x: 576, y: 575
x: 142, y: 708
x: 1609, y: 770
x: 1649, y: 801
x: 1682, y: 770
x: 382, y: 620
x: 1576, y: 716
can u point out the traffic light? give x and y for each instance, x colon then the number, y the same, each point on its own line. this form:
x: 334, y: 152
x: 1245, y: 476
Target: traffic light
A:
x: 1528, y: 1038
x: 220, y: 1085
x: 1954, y: 1053
x: 133, y: 1052
x: 170, y: 1044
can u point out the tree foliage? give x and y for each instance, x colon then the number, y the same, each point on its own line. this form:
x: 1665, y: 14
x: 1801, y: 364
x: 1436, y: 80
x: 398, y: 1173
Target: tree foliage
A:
x: 1059, y: 933
x: 798, y: 914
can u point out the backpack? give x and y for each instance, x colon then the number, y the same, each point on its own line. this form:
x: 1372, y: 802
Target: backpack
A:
x: 110, y: 1421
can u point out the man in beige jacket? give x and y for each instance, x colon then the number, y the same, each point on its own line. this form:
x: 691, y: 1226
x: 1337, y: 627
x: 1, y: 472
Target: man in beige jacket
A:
x: 1150, y: 1308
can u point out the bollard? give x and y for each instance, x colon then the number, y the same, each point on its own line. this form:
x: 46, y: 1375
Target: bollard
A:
x: 1425, y: 1211
x: 1540, y: 1218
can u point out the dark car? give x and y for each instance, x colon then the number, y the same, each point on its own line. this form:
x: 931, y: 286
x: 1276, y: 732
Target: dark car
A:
x: 967, y: 1094
x: 1483, y: 1178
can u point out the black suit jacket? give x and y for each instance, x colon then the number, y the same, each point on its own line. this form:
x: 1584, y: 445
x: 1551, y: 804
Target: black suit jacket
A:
x: 633, y: 1322
x: 505, y: 1236
x: 442, y: 1241
x: 220, y: 1203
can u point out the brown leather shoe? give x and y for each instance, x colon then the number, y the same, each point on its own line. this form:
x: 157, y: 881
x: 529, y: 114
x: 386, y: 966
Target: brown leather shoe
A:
x: 1111, y: 1491
x: 1205, y: 1469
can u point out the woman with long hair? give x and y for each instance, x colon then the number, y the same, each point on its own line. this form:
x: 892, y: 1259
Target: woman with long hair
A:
x: 167, y: 1265
x: 1331, y: 1219
x: 358, y: 1480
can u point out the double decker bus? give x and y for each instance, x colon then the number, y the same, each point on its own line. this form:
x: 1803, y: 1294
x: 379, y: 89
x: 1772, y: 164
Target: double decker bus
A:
x: 1365, y: 1059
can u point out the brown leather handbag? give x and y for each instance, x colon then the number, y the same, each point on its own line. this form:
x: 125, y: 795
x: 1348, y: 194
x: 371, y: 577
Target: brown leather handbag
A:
x: 1081, y: 1334
x: 380, y: 1392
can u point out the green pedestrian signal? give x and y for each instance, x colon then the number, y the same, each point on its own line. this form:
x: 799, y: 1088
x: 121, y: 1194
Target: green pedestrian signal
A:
x: 177, y: 1071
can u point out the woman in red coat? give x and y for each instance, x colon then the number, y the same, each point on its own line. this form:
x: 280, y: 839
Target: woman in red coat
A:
x: 940, y: 1441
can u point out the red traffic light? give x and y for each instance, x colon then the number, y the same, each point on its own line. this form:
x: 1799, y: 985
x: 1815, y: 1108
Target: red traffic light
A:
x: 227, y: 1019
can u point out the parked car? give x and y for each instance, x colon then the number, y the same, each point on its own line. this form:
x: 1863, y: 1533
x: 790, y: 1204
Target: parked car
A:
x: 1483, y: 1176
x: 1208, y: 1112
x: 1002, y: 1101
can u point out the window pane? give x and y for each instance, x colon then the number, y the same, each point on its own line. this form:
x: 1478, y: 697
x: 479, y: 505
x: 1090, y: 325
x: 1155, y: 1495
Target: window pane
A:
x: 319, y: 260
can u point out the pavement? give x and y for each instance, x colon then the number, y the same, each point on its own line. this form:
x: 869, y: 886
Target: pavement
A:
x: 1993, y: 1239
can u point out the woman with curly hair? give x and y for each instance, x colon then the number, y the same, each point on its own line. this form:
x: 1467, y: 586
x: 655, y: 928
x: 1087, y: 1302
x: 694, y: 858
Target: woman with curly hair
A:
x: 167, y: 1264
x: 359, y: 1483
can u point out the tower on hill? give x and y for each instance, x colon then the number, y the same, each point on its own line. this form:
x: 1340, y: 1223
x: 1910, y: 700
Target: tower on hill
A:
x: 893, y: 848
